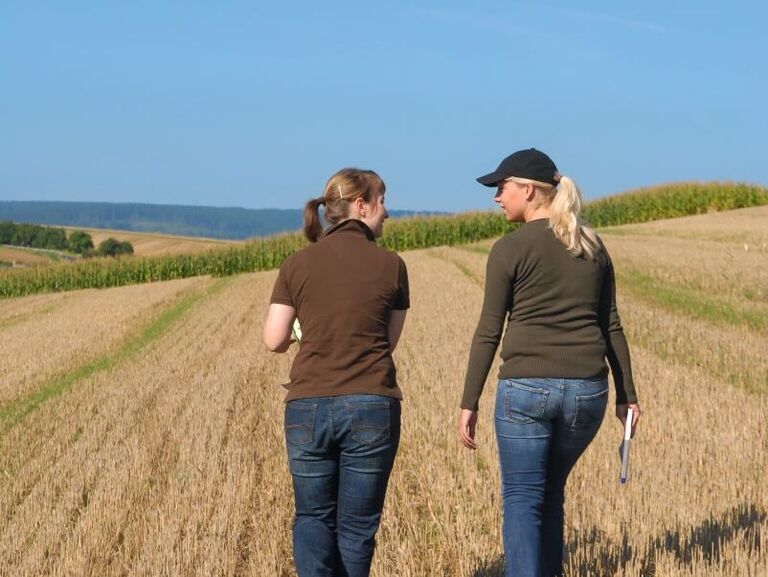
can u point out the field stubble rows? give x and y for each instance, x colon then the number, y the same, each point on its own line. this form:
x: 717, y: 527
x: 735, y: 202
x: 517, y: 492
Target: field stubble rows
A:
x: 171, y: 462
x: 52, y: 334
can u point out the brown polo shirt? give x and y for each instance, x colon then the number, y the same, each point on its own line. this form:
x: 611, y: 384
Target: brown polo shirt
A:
x: 343, y: 288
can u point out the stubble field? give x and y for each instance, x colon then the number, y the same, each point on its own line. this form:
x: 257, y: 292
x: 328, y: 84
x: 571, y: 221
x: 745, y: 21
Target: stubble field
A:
x: 155, y: 244
x: 149, y: 442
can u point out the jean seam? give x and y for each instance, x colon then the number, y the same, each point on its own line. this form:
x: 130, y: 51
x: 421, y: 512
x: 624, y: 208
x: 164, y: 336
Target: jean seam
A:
x: 331, y: 419
x: 542, y: 409
x: 310, y: 428
x: 384, y: 404
x: 578, y: 400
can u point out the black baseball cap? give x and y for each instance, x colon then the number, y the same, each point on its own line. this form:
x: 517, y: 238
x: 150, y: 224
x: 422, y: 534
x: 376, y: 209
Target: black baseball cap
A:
x: 529, y: 163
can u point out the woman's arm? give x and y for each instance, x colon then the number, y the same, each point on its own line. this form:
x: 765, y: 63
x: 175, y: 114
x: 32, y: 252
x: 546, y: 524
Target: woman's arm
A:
x: 616, y: 343
x: 490, y: 327
x: 496, y: 304
x: 277, y: 327
x: 618, y: 351
x: 396, y: 322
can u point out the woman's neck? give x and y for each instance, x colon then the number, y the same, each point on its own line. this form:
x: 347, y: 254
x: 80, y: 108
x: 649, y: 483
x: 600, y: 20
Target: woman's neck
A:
x: 536, y: 213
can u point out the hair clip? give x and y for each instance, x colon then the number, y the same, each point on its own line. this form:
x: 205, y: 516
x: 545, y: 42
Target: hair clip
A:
x: 340, y: 194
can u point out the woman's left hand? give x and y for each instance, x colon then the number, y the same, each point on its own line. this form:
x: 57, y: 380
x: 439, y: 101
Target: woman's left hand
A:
x: 621, y: 414
x: 466, y: 426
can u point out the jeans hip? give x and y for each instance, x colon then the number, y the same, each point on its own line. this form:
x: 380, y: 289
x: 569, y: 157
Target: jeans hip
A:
x: 524, y: 405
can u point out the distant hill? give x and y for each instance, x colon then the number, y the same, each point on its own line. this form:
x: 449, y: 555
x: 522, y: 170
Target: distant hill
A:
x: 206, y: 221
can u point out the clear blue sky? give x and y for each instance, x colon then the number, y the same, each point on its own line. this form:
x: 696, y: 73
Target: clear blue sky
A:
x: 255, y: 104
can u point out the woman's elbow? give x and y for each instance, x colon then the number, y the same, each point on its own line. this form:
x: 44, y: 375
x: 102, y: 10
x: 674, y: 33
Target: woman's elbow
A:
x: 275, y: 343
x: 273, y: 347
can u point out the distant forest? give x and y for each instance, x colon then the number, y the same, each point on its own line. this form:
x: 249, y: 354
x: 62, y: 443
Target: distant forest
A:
x: 206, y: 221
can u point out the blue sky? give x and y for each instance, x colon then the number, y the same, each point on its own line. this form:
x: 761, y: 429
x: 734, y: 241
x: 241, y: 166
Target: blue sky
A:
x: 255, y: 104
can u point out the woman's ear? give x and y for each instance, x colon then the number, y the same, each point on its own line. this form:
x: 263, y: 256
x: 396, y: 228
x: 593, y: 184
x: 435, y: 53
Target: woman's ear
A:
x: 358, y: 205
x: 530, y: 191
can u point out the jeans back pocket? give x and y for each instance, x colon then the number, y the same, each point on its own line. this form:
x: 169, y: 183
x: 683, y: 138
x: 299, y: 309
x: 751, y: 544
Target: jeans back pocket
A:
x: 299, y: 422
x: 590, y: 409
x: 523, y: 403
x: 369, y: 421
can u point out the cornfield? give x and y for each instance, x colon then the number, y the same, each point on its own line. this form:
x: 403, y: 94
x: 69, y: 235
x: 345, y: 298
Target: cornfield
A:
x: 403, y: 234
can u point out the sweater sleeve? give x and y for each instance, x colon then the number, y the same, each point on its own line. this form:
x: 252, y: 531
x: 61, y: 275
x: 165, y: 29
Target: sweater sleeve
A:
x: 616, y: 342
x: 496, y: 304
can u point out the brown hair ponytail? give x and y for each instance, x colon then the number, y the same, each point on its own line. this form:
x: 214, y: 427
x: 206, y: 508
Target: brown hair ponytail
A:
x: 313, y: 228
x: 342, y: 188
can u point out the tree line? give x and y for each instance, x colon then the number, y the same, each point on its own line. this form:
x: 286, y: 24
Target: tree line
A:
x: 54, y: 238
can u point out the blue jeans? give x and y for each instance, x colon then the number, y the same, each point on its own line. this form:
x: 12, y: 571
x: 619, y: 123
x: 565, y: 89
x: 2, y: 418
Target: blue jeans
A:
x: 543, y: 426
x: 340, y: 452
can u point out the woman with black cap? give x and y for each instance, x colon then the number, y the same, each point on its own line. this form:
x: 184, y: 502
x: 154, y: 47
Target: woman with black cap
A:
x: 552, y: 282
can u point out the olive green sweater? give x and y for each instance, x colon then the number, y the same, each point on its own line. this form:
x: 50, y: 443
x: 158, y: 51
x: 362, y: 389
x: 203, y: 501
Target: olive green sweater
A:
x: 560, y: 315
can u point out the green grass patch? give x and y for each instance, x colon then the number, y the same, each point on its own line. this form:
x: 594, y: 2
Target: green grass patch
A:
x: 18, y: 409
x: 465, y: 270
x: 687, y: 301
x: 624, y: 231
x: 689, y: 353
x: 475, y: 249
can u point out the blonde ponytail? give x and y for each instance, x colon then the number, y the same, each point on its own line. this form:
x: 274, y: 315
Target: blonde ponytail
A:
x: 565, y: 221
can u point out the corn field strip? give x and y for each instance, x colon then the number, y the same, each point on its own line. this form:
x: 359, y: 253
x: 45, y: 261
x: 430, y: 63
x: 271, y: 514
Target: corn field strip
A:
x: 404, y: 234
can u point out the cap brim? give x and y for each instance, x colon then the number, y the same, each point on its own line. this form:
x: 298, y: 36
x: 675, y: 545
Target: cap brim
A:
x: 492, y: 179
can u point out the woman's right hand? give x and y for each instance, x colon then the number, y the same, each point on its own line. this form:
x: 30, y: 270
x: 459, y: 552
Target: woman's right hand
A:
x: 467, y: 424
x: 621, y: 414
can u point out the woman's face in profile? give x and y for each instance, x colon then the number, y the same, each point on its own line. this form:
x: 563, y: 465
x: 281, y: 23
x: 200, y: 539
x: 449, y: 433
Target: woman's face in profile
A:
x: 509, y: 196
x: 376, y: 214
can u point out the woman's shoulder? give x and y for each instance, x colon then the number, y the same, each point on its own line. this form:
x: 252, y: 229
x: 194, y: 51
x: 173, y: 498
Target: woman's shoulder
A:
x: 518, y: 236
x: 391, y: 257
x: 295, y: 259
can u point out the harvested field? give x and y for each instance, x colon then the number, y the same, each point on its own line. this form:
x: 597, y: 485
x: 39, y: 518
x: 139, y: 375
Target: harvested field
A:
x: 21, y: 257
x: 60, y: 333
x: 166, y: 457
x: 745, y: 225
x: 154, y: 244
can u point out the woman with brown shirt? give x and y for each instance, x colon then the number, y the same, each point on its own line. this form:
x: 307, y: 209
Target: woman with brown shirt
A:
x: 342, y: 414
